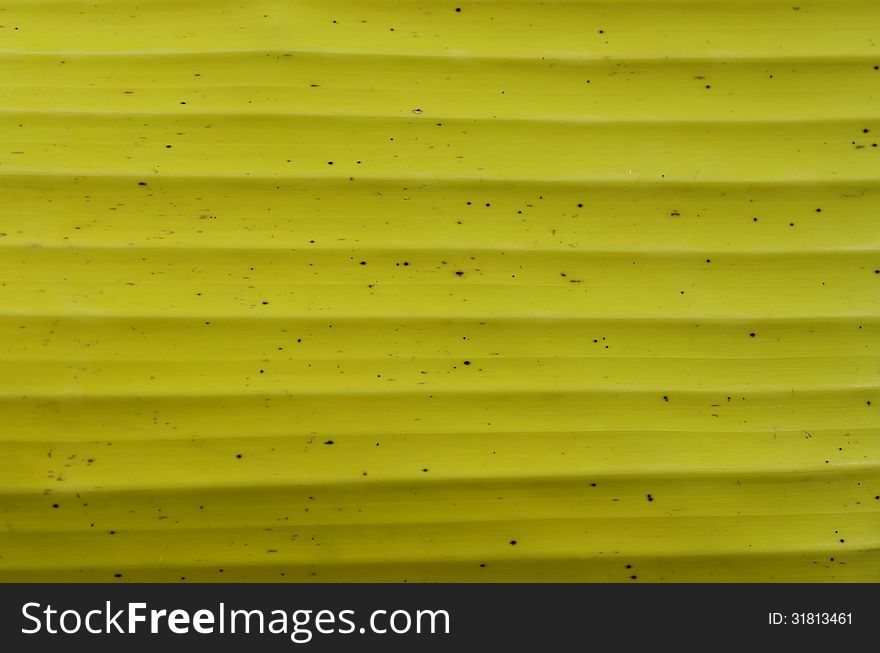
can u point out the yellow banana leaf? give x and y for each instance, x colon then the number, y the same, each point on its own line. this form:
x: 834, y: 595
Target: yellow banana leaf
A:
x: 376, y: 290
